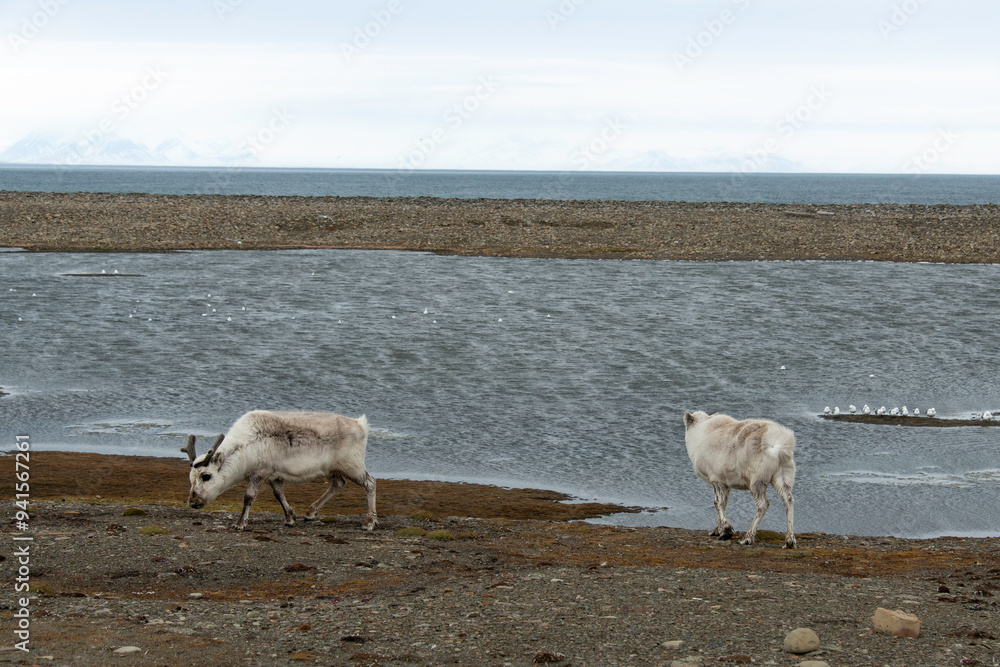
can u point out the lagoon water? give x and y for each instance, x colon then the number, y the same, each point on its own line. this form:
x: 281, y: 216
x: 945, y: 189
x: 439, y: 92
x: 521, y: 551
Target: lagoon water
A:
x: 562, y: 374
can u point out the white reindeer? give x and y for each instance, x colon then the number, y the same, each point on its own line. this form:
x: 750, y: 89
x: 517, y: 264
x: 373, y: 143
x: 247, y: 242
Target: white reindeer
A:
x: 749, y: 455
x: 278, y: 447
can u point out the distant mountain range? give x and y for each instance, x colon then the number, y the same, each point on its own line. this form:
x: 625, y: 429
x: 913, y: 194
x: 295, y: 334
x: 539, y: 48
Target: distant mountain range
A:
x: 38, y: 149
x: 507, y: 154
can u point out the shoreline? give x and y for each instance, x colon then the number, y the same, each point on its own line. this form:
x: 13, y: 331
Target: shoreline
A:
x: 584, y: 229
x: 434, y: 583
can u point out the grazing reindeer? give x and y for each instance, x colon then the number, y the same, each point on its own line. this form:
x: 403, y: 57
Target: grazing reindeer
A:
x: 749, y: 454
x: 279, y: 447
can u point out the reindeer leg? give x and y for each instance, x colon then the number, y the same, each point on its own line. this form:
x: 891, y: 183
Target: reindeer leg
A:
x: 785, y: 491
x: 723, y: 529
x: 371, y: 520
x: 253, y: 486
x: 759, y: 492
x: 336, y: 483
x: 278, y: 487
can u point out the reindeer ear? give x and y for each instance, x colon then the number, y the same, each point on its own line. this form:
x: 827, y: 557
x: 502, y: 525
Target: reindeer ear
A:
x: 189, y: 448
x: 688, y: 420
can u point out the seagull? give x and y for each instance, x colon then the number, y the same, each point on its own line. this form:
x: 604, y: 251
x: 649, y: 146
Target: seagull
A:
x: 987, y: 416
x: 852, y: 408
x: 904, y: 412
x: 880, y: 411
x: 866, y: 410
x: 916, y: 412
x: 836, y: 410
x: 425, y: 311
x: 894, y: 412
x: 931, y: 412
x: 782, y: 368
x: 826, y: 410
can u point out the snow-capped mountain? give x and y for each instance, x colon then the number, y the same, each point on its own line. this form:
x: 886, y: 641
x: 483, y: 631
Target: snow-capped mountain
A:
x: 39, y: 149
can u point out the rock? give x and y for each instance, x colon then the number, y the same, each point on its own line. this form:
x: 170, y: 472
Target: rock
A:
x: 897, y: 623
x: 801, y: 640
x: 690, y: 661
x: 673, y: 645
x: 128, y: 649
x: 814, y: 663
x: 196, y: 596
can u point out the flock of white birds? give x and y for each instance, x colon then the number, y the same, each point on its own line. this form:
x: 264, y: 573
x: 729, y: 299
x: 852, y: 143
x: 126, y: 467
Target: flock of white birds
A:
x: 901, y: 412
x: 893, y: 412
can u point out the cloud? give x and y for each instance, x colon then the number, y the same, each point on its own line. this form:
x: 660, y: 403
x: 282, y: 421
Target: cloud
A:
x: 229, y: 72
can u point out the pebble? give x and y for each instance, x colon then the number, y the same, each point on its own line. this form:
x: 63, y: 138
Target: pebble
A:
x: 801, y: 640
x: 814, y: 663
x: 128, y: 649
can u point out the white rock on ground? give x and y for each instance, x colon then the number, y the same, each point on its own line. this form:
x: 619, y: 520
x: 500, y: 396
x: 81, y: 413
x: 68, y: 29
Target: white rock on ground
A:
x: 897, y: 623
x: 801, y: 640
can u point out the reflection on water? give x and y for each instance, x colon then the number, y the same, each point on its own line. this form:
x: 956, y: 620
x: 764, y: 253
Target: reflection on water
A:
x: 563, y: 374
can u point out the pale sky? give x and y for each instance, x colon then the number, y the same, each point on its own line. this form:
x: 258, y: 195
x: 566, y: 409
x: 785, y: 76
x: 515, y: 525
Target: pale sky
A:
x: 898, y: 86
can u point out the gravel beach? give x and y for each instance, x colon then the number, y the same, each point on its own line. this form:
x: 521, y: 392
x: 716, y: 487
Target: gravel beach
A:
x: 502, y: 227
x: 122, y: 572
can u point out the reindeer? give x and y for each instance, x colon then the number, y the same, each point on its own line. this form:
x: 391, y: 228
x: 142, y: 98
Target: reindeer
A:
x: 749, y: 454
x: 279, y: 447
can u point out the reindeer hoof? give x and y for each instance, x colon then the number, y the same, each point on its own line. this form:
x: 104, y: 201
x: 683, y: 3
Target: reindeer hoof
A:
x: 727, y: 533
x: 789, y: 544
x: 746, y: 541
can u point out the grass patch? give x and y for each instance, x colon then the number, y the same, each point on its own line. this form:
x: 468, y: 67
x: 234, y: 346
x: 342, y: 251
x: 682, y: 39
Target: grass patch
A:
x: 40, y: 588
x: 134, y: 511
x: 423, y: 516
x: 153, y: 530
x: 443, y: 535
x: 412, y: 530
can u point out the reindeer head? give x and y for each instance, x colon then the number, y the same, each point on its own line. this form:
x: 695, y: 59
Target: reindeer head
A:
x: 206, y: 482
x: 693, y: 418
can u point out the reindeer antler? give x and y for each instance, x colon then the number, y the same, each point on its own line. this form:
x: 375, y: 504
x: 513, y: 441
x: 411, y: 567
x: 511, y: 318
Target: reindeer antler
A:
x: 208, y: 456
x: 189, y: 448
